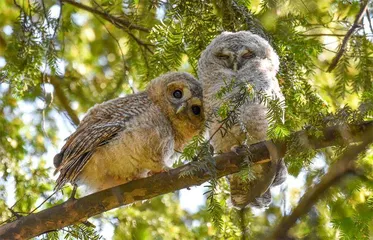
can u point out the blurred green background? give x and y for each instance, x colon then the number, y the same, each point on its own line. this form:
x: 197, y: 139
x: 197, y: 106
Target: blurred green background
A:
x: 58, y: 59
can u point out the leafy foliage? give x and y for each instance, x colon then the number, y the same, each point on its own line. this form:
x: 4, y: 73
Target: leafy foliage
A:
x: 57, y: 61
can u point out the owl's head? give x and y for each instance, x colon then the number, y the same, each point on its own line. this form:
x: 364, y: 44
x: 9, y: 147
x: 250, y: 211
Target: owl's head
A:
x: 179, y: 96
x: 237, y: 51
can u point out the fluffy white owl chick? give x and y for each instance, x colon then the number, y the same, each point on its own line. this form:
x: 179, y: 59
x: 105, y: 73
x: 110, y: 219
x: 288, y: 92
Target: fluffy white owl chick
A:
x: 129, y: 137
x: 242, y: 59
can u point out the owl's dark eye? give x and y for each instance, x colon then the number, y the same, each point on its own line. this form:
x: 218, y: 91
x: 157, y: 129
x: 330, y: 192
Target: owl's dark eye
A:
x: 196, y: 110
x: 222, y: 56
x: 177, y: 94
x: 248, y: 55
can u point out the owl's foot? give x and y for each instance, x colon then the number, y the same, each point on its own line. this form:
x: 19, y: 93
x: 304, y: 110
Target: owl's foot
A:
x: 239, y: 149
x: 273, y: 152
x: 263, y: 161
x: 263, y: 201
x: 164, y: 169
x: 235, y: 149
x: 281, y: 173
x: 211, y: 149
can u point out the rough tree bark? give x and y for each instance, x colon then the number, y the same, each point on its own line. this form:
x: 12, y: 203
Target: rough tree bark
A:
x: 78, y: 210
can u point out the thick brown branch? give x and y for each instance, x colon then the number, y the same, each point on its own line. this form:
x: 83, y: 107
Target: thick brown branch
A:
x: 122, y: 23
x: 356, y: 25
x: 64, y: 101
x: 345, y: 165
x: 74, y: 211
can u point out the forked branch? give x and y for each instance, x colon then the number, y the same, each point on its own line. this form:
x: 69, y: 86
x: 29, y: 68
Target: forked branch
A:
x: 119, y: 22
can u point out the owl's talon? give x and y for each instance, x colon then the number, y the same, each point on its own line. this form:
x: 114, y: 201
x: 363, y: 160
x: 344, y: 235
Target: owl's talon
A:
x: 164, y: 170
x: 239, y: 149
x: 273, y: 152
x: 263, y: 161
x: 211, y: 149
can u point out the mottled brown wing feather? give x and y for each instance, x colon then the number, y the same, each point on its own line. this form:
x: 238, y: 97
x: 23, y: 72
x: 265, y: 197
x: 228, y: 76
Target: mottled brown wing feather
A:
x: 101, y: 125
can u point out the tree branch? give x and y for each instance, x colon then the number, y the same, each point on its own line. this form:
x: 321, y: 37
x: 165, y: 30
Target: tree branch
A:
x: 137, y: 40
x: 253, y: 24
x: 369, y: 20
x: 120, y: 22
x: 74, y: 211
x: 64, y: 101
x: 356, y: 25
x: 322, y: 35
x: 345, y: 165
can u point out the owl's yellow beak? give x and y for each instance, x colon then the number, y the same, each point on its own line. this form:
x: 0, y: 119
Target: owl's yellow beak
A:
x: 181, y: 107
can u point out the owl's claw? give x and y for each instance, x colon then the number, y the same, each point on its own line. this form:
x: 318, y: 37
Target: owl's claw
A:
x: 263, y: 161
x: 235, y: 149
x: 273, y: 152
x: 211, y: 149
x: 164, y: 169
x: 240, y: 149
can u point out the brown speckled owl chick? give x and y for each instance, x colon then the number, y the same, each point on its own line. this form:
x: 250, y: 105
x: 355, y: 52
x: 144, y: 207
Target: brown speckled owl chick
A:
x: 129, y: 137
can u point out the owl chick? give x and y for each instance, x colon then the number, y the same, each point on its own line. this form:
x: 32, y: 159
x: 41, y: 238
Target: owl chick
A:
x: 242, y: 58
x: 131, y: 137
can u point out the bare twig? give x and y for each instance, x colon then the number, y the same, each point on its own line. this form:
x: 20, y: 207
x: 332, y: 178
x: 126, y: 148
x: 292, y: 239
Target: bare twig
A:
x: 322, y: 35
x: 369, y: 21
x: 140, y: 42
x: 119, y: 22
x: 356, y: 25
x: 125, y: 66
x: 44, y: 201
x: 78, y: 210
x: 64, y: 101
x: 345, y: 165
x: 252, y: 23
x: 58, y: 20
x: 137, y: 40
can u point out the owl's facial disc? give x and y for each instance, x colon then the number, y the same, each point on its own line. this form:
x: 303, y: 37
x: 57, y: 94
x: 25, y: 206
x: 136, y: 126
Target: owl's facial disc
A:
x: 185, y: 101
